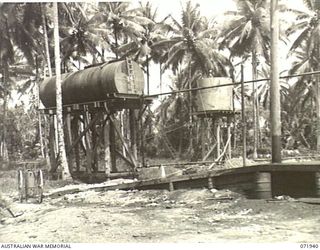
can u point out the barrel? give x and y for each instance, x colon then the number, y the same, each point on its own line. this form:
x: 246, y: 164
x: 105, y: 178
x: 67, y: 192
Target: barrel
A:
x: 263, y: 185
x: 317, y: 181
x: 94, y: 84
x: 214, y: 99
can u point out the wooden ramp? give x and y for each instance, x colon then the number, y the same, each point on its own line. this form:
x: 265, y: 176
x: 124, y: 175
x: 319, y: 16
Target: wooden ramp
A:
x: 257, y: 182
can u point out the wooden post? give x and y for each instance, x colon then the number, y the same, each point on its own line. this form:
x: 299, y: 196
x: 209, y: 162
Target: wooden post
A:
x: 171, y: 187
x: 95, y: 145
x: 142, y: 142
x: 87, y: 141
x: 52, y: 144
x: 210, y: 183
x: 244, y: 122
x: 75, y: 132
x: 218, y: 138
x: 133, y: 133
x: 112, y: 143
x: 275, y: 108
x: 203, y: 138
x: 122, y: 128
x: 69, y: 137
x: 228, y: 136
x: 107, y: 154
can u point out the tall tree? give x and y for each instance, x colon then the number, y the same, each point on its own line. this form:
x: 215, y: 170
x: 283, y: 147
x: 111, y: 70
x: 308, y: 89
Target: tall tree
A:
x: 306, y: 47
x: 82, y: 34
x: 124, y: 23
x: 248, y: 33
x: 6, y: 58
x: 140, y: 47
x: 192, y: 46
x: 59, y: 109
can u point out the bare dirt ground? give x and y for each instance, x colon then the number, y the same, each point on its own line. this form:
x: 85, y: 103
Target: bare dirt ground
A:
x: 184, y: 216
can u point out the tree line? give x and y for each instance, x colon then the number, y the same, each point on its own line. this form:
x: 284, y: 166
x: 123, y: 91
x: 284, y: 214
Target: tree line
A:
x: 189, y: 47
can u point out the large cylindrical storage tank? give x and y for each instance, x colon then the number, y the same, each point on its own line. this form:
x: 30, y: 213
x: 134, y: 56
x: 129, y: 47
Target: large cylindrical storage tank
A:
x: 94, y: 84
x: 214, y: 99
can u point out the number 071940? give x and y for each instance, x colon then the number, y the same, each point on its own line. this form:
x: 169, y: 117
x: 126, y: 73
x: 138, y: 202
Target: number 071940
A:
x: 308, y: 245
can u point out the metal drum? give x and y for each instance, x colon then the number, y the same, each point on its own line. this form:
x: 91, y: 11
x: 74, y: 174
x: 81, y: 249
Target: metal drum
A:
x: 317, y: 181
x: 94, y: 83
x: 263, y: 185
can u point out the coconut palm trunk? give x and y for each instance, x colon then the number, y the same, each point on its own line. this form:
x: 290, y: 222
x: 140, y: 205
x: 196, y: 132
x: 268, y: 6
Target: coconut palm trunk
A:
x: 59, y: 112
x: 4, y: 150
x: 45, y: 37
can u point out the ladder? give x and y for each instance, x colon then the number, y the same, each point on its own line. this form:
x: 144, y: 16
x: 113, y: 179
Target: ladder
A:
x: 131, y: 87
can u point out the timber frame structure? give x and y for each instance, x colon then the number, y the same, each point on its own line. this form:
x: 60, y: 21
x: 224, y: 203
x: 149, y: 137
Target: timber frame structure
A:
x: 217, y: 117
x: 92, y: 131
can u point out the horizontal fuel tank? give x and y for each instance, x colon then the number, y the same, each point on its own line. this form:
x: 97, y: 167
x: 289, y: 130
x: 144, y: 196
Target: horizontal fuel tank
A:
x: 94, y: 84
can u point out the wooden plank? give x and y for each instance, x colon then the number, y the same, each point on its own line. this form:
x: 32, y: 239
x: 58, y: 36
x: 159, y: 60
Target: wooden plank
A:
x: 244, y: 183
x: 315, y: 201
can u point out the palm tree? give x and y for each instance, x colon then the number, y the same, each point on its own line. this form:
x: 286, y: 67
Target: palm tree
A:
x: 81, y: 34
x: 190, y: 48
x: 140, y: 48
x: 248, y: 33
x: 19, y: 33
x: 62, y: 153
x: 123, y: 22
x: 306, y: 48
x: 6, y: 58
x: 193, y: 41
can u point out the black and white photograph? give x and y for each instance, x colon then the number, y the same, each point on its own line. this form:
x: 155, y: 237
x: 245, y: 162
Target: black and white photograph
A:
x: 181, y: 121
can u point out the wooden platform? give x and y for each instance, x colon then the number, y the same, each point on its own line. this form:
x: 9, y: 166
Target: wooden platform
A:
x: 258, y: 182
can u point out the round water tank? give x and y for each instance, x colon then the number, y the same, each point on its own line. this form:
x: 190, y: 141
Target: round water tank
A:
x: 214, y: 99
x: 94, y: 84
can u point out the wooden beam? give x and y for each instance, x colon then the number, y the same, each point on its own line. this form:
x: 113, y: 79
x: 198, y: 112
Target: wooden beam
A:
x: 86, y: 129
x: 121, y: 138
x: 229, y: 136
x: 107, y: 154
x: 133, y: 133
x: 209, y: 153
x: 203, y: 138
x: 218, y: 138
x: 69, y: 137
x: 89, y: 153
x: 125, y: 158
x: 52, y: 143
x: 123, y: 142
x: 112, y: 138
x: 75, y: 132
